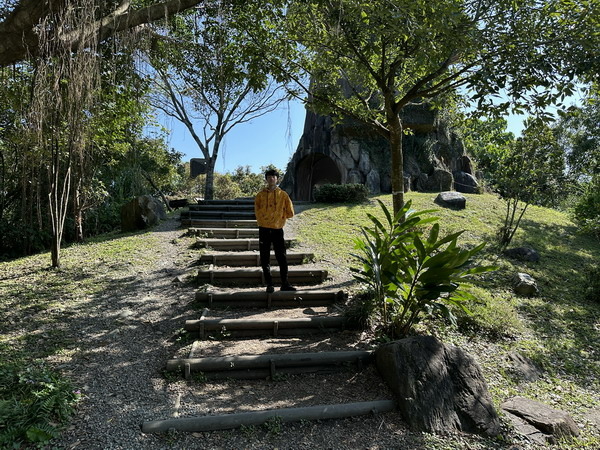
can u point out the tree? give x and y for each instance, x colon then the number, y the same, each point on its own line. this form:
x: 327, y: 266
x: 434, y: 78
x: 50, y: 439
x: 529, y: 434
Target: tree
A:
x: 205, y: 68
x: 19, y: 39
x: 530, y: 171
x: 367, y: 60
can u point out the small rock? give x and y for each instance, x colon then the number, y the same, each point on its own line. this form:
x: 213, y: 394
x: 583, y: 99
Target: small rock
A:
x: 524, y: 284
x: 523, y: 254
x: 552, y: 423
x: 524, y: 367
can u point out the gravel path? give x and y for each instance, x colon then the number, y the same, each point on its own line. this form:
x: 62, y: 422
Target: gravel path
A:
x: 128, y: 334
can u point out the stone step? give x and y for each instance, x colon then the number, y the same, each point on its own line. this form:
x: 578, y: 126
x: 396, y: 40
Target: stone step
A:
x: 238, y: 259
x: 218, y: 223
x: 261, y: 327
x: 270, y: 365
x: 232, y: 244
x: 229, y: 233
x: 279, y: 299
x: 240, y: 277
x: 222, y: 215
x: 245, y: 207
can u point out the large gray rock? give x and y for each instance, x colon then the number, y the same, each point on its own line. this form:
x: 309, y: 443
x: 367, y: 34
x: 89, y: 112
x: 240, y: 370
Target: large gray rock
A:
x: 439, y: 387
x: 451, y: 199
x: 538, y: 422
x: 141, y: 213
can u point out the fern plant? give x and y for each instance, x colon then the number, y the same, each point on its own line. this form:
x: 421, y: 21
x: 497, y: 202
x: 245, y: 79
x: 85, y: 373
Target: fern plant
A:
x: 34, y: 403
x: 412, y: 276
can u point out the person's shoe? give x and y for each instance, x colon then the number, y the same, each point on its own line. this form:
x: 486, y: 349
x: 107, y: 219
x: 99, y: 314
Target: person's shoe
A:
x: 270, y: 289
x: 287, y: 287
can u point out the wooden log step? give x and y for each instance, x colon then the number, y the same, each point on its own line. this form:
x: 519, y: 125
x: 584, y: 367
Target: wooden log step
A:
x: 224, y: 233
x: 218, y: 223
x: 245, y: 207
x: 223, y: 215
x: 254, y: 418
x: 235, y: 201
x: 270, y: 365
x: 251, y: 258
x: 232, y: 244
x: 278, y: 299
x: 259, y: 327
x: 252, y: 276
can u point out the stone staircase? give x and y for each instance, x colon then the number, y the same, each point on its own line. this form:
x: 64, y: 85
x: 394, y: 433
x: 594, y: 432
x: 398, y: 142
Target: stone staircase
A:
x: 232, y: 280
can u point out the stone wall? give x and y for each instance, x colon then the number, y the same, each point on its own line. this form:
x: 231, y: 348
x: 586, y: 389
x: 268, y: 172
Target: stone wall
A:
x: 434, y: 158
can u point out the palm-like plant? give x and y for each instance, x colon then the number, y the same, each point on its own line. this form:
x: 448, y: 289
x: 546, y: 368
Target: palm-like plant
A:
x: 410, y: 276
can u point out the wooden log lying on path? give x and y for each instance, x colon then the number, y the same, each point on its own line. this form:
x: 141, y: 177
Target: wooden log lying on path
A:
x: 274, y: 327
x: 251, y: 258
x: 235, y: 201
x: 253, y: 418
x: 260, y: 299
x: 269, y: 365
x: 229, y: 233
x: 254, y: 276
x: 218, y: 223
x: 244, y: 207
x: 224, y: 215
x: 233, y: 244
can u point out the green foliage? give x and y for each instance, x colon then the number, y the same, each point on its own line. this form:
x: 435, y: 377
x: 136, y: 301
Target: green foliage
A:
x: 248, y: 182
x: 586, y: 211
x: 592, y: 291
x: 411, y: 276
x: 34, y: 403
x: 341, y: 193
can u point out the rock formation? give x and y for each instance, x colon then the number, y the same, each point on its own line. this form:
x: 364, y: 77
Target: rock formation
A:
x: 434, y: 157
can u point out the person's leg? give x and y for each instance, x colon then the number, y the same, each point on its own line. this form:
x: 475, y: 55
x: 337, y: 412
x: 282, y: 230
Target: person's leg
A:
x: 280, y: 254
x: 264, y: 248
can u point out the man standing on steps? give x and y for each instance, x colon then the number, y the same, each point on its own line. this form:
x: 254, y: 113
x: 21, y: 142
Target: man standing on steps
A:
x: 273, y: 207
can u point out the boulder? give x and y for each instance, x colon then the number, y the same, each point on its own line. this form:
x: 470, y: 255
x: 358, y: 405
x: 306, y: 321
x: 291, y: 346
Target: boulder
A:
x: 523, y: 254
x: 466, y: 183
x: 538, y: 422
x: 439, y: 388
x: 141, y: 213
x: 451, y: 199
x: 525, y: 285
x: 441, y: 180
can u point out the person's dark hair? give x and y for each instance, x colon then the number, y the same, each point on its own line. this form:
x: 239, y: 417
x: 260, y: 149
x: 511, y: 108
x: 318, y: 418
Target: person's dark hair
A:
x: 271, y: 172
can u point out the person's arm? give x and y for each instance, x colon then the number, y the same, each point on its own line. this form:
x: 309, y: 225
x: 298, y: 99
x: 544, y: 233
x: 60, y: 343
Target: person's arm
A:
x: 289, y: 207
x: 259, y: 208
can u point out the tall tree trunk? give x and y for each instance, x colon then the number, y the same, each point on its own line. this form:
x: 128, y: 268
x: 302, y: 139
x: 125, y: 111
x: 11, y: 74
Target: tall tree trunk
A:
x: 58, y: 199
x: 396, y: 133
x: 209, y: 188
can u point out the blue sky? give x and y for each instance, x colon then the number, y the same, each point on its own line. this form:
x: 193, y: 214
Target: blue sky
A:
x: 269, y: 139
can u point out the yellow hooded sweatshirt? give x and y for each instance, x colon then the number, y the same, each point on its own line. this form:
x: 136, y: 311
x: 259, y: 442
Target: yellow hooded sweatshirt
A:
x: 273, y: 208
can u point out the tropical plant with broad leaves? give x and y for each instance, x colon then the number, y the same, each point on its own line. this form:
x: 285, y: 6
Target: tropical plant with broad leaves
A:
x: 413, y: 275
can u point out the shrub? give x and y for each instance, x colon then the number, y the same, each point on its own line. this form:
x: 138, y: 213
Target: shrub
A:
x: 411, y: 276
x: 586, y: 212
x: 341, y: 193
x: 34, y: 403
